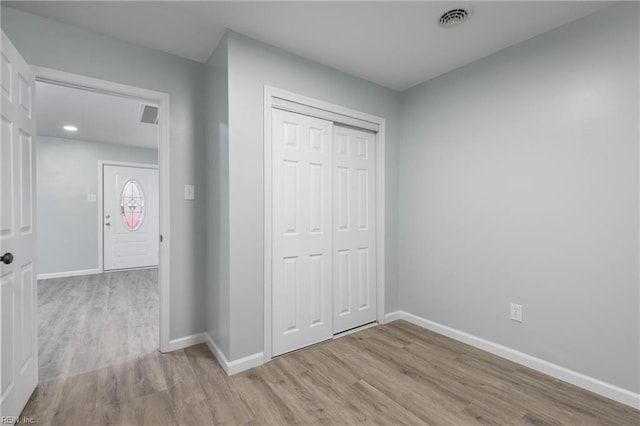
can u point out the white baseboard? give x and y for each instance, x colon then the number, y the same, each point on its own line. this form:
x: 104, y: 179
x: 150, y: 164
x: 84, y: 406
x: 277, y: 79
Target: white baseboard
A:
x: 65, y: 274
x: 237, y: 366
x: 578, y: 379
x: 185, y: 342
x: 392, y: 316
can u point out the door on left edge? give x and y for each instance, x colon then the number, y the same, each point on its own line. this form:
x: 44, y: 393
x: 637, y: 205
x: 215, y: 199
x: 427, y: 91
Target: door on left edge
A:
x: 18, y: 294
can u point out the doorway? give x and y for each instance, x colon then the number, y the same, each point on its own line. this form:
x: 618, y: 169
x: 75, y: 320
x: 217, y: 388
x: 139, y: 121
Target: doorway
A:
x: 161, y: 101
x: 98, y: 226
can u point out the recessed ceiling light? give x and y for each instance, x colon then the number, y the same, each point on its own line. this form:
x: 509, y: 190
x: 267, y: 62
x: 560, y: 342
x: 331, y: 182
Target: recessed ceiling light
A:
x: 69, y: 128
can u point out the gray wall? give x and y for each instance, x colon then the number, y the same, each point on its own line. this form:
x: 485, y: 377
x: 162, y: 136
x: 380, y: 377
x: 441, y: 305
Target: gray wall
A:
x: 519, y: 183
x: 51, y: 44
x: 67, y: 171
x: 252, y: 65
x: 217, y: 190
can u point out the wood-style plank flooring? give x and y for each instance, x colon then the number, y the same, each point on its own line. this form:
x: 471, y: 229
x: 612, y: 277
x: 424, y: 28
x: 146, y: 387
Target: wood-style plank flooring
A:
x: 391, y: 374
x: 94, y: 321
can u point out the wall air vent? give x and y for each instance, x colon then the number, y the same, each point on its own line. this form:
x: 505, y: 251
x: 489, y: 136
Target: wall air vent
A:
x: 148, y: 114
x: 453, y: 17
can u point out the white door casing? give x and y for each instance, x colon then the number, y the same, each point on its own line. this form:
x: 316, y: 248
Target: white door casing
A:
x: 302, y: 236
x: 18, y: 294
x: 354, y: 274
x: 130, y: 241
x: 164, y: 165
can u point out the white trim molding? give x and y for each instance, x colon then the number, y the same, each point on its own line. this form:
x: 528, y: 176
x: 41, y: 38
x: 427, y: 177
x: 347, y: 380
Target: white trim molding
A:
x: 185, y: 342
x: 393, y: 316
x: 161, y: 99
x: 237, y: 366
x: 570, y: 376
x: 274, y: 97
x: 66, y: 274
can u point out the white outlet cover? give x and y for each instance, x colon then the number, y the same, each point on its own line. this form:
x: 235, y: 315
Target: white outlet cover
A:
x: 516, y: 312
x: 189, y: 192
x: 92, y: 198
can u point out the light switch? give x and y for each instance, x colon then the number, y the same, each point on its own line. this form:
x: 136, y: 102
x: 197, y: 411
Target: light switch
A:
x: 189, y: 192
x: 91, y: 198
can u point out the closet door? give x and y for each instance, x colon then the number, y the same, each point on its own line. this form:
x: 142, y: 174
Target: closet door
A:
x: 302, y: 231
x: 354, y: 272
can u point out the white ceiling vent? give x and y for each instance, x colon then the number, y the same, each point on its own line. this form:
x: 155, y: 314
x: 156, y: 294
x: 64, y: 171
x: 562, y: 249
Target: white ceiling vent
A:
x: 453, y: 17
x: 148, y: 114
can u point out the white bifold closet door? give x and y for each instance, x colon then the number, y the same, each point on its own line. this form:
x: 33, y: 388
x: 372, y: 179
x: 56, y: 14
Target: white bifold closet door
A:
x: 323, y: 248
x: 354, y: 272
x: 302, y: 233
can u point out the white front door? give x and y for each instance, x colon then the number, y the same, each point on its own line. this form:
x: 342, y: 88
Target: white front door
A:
x: 302, y: 232
x: 354, y: 266
x: 18, y: 295
x: 130, y: 217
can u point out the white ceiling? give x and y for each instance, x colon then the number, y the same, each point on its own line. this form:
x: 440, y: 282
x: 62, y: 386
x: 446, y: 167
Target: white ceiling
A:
x: 98, y: 117
x: 395, y: 44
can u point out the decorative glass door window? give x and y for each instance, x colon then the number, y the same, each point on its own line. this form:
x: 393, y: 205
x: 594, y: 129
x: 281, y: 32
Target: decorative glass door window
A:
x: 132, y: 205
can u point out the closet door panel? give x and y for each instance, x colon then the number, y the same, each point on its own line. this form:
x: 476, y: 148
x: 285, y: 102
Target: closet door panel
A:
x: 302, y: 231
x: 354, y: 231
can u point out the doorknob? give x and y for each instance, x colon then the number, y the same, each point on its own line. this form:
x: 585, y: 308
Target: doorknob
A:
x: 6, y: 258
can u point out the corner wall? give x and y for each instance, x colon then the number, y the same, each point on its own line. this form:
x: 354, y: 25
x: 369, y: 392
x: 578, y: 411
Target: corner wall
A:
x: 218, y: 300
x: 519, y: 183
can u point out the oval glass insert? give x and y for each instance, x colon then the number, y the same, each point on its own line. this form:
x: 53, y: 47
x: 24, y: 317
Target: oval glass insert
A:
x: 132, y: 205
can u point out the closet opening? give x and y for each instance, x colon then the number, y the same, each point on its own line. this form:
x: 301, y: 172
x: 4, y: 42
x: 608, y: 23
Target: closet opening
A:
x: 324, y: 221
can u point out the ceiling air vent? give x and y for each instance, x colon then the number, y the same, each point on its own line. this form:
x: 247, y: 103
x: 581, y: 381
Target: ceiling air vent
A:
x: 149, y: 114
x: 453, y: 17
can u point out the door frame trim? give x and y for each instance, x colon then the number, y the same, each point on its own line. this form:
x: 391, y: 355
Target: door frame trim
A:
x: 271, y: 97
x: 161, y: 99
x: 101, y: 164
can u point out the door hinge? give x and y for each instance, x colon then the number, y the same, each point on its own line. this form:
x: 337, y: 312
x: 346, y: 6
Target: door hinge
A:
x: 160, y: 237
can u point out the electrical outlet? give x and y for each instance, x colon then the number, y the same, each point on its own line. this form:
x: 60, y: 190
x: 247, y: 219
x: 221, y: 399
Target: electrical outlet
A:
x: 189, y: 192
x: 91, y: 198
x: 516, y: 312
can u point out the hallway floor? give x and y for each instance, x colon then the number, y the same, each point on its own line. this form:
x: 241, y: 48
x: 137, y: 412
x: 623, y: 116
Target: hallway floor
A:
x: 95, y: 321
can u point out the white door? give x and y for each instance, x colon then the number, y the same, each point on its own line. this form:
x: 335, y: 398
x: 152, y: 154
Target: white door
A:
x: 130, y: 217
x: 354, y: 272
x: 18, y: 296
x: 302, y: 231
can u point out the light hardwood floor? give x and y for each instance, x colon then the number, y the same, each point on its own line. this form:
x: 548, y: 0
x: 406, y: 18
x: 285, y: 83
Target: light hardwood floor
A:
x: 391, y: 374
x: 95, y: 321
